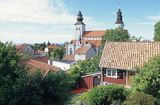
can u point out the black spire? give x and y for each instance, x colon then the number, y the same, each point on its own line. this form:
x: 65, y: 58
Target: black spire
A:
x: 119, y: 17
x: 79, y: 18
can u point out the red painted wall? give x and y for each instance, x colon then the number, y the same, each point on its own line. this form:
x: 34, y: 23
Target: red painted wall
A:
x: 86, y: 82
x: 114, y: 80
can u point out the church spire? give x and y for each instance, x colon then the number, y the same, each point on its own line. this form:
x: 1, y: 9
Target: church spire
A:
x: 79, y: 18
x: 119, y: 22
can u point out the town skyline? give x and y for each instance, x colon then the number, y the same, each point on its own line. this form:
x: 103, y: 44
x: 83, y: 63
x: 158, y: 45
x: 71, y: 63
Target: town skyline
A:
x: 52, y: 20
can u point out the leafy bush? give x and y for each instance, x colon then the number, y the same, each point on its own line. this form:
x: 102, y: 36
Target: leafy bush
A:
x: 147, y: 79
x: 139, y: 98
x: 107, y: 95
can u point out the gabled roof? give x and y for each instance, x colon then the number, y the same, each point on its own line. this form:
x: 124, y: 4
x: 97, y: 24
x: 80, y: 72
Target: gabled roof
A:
x: 128, y: 55
x: 95, y: 43
x: 21, y: 47
x: 42, y: 59
x: 34, y: 64
x: 82, y: 50
x: 96, y: 33
x: 69, y: 57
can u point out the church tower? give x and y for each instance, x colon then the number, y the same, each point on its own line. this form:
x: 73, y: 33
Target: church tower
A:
x: 79, y: 27
x: 119, y: 22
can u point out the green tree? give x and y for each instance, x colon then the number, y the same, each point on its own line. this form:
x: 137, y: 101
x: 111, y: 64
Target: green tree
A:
x: 157, y: 31
x: 147, y: 79
x: 139, y: 98
x: 58, y: 53
x: 90, y: 65
x: 10, y: 71
x: 107, y: 95
x: 53, y: 89
x: 18, y: 87
x: 117, y: 35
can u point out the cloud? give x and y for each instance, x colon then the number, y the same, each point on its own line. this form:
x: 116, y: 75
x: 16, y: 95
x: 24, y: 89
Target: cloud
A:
x: 36, y: 11
x: 154, y: 18
x: 29, y: 38
x: 38, y: 21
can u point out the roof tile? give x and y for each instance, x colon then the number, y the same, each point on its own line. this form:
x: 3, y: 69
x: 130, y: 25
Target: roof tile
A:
x: 128, y: 55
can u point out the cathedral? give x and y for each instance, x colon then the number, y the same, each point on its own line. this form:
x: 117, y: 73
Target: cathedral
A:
x: 88, y: 40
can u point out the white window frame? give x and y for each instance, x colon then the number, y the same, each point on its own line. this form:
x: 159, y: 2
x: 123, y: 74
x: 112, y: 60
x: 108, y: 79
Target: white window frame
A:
x: 111, y: 73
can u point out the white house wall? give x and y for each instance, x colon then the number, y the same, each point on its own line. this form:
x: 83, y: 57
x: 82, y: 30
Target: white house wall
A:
x: 80, y: 57
x: 63, y: 66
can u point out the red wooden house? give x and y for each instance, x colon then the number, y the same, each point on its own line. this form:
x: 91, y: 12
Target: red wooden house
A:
x: 88, y: 82
x: 120, y: 59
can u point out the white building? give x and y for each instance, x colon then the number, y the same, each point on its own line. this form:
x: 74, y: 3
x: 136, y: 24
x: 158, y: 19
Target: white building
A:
x: 84, y: 53
x: 83, y: 37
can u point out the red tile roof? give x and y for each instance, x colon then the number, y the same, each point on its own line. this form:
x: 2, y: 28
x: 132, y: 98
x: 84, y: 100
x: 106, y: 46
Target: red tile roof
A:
x: 82, y: 50
x: 20, y: 48
x: 98, y: 33
x: 95, y: 43
x: 69, y: 57
x: 42, y: 59
x: 34, y: 64
x: 128, y: 55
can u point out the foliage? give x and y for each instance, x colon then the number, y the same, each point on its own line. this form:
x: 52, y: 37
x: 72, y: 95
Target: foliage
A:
x: 10, y: 71
x: 90, y: 65
x: 106, y: 95
x: 147, y: 79
x: 139, y: 98
x: 58, y: 53
x: 53, y: 89
x: 79, y: 100
x: 117, y: 35
x: 41, y: 46
x: 136, y: 39
x: 157, y: 31
x: 17, y: 87
x: 74, y: 73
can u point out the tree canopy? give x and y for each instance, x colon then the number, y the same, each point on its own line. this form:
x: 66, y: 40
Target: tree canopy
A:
x: 147, y: 79
x: 157, y: 31
x: 53, y: 89
x: 90, y: 65
x: 117, y: 35
x: 58, y: 53
x: 18, y: 87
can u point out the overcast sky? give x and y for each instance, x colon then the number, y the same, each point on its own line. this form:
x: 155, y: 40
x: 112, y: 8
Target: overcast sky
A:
x: 35, y: 21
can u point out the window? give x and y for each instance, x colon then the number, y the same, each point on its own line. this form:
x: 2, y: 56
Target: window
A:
x: 70, y: 50
x: 111, y: 73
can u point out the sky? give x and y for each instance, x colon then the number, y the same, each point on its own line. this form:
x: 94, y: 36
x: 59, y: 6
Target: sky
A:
x: 37, y: 21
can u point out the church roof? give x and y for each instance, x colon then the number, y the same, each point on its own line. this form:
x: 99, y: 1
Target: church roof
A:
x: 119, y: 17
x: 79, y: 19
x: 96, y: 33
